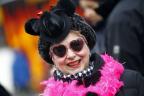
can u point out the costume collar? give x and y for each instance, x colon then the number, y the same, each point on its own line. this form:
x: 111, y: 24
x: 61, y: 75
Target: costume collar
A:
x: 58, y: 75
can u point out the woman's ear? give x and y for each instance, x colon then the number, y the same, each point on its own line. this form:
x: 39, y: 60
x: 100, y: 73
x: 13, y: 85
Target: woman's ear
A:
x: 52, y: 58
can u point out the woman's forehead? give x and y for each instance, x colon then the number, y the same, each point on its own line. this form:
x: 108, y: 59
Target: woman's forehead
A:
x: 71, y: 36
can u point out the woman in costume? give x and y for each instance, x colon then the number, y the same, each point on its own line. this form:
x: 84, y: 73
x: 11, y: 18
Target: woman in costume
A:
x: 65, y: 40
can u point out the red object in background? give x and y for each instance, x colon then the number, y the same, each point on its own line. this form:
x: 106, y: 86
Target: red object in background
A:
x: 15, y: 16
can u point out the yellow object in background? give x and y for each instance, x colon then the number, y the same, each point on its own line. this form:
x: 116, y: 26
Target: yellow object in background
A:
x: 14, y: 19
x: 1, y: 15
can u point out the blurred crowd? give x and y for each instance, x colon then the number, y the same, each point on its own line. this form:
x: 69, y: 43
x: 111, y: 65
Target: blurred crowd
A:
x: 119, y: 27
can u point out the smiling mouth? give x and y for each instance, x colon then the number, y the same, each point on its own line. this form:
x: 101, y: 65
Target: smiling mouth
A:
x: 74, y: 64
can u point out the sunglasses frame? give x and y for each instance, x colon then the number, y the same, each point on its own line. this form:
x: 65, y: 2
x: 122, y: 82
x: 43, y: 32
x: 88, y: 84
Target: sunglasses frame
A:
x: 51, y: 48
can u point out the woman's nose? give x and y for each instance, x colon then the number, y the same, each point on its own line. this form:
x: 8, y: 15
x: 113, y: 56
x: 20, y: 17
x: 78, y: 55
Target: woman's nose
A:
x: 70, y: 54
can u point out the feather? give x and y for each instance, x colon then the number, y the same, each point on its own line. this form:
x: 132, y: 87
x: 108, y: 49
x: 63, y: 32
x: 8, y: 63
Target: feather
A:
x: 108, y: 85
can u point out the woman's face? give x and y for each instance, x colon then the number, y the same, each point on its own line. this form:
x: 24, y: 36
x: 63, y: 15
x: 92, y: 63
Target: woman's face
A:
x: 76, y: 58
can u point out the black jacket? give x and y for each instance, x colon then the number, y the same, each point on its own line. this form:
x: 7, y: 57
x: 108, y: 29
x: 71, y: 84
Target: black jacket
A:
x: 125, y: 34
x: 133, y: 84
x: 133, y: 81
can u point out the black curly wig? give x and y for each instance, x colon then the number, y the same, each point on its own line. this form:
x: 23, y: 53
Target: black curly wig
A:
x: 52, y: 27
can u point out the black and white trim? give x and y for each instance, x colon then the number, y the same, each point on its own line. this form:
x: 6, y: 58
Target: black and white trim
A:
x: 85, y: 73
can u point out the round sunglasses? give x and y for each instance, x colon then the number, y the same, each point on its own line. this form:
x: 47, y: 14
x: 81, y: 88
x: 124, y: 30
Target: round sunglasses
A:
x: 61, y: 50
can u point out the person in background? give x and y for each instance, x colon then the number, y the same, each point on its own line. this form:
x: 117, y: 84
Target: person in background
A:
x: 66, y: 41
x: 125, y: 32
x: 96, y: 21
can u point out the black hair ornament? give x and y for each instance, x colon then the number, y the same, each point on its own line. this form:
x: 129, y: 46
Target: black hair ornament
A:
x: 52, y: 26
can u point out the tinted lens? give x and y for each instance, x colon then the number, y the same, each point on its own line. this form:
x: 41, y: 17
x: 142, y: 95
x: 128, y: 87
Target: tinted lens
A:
x: 77, y: 45
x: 59, y: 50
